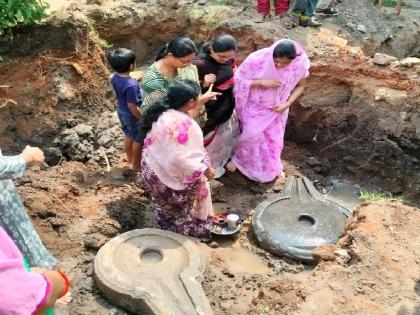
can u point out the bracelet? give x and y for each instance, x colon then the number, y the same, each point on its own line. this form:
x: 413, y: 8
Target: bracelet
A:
x: 67, y: 284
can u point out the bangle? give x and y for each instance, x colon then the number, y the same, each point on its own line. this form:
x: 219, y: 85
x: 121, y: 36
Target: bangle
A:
x: 67, y: 284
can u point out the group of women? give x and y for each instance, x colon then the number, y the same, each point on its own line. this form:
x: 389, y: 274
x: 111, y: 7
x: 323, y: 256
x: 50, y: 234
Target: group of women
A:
x: 203, y: 113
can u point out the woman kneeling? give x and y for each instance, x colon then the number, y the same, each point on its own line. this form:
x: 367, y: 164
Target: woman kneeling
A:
x: 175, y: 167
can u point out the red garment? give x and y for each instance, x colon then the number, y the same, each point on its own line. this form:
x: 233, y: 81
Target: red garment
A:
x: 281, y: 6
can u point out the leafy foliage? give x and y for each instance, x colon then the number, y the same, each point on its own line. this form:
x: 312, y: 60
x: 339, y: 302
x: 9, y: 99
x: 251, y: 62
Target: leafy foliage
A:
x: 15, y: 12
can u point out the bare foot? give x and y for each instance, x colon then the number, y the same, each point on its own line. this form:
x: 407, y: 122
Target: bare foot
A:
x: 231, y: 167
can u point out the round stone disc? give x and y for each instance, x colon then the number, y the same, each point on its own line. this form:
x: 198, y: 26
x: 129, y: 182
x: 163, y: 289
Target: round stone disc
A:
x: 298, y: 220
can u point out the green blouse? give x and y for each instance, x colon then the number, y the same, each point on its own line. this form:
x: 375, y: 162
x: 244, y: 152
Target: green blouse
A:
x: 155, y: 85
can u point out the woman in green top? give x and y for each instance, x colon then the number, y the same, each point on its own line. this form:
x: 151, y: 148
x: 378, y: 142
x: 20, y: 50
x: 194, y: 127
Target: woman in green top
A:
x: 173, y: 63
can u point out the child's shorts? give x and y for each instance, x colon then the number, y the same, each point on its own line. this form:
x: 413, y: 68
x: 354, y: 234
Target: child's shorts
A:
x: 131, y: 126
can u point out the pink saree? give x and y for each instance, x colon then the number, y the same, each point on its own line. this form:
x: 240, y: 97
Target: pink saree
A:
x: 174, y: 151
x: 258, y: 152
x: 21, y: 292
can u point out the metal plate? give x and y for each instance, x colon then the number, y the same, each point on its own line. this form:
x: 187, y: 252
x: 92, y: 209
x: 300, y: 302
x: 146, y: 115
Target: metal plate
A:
x: 298, y: 220
x: 226, y: 232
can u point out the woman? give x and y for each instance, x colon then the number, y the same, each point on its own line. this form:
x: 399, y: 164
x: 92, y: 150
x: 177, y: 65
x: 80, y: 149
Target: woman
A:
x: 24, y: 292
x: 172, y: 63
x: 216, y: 65
x: 175, y: 166
x: 266, y: 85
x: 13, y: 217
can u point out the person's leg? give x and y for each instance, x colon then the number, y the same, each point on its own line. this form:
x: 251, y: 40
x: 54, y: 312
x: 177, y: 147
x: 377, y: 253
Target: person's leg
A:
x: 128, y: 145
x: 137, y: 134
x: 306, y: 18
x: 310, y: 8
x: 136, y: 153
x: 282, y: 6
x: 263, y: 9
x: 299, y: 7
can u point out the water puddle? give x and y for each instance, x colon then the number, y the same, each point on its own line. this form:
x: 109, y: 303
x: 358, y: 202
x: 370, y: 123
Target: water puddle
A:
x: 239, y: 259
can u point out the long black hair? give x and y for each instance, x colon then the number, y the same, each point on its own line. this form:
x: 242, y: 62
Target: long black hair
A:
x: 286, y: 48
x: 179, y: 47
x: 220, y: 44
x: 179, y: 93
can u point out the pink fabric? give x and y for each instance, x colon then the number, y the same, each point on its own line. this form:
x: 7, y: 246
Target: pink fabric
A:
x: 21, y: 292
x: 174, y: 150
x: 257, y: 154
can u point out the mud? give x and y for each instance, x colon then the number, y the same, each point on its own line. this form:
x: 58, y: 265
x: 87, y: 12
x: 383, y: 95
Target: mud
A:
x: 364, y: 127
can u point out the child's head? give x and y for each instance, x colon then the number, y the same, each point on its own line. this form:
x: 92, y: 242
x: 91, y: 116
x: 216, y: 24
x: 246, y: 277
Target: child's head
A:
x: 122, y: 60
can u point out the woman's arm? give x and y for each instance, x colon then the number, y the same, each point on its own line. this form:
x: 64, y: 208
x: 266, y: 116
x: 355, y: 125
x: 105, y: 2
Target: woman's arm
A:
x: 57, y: 286
x: 300, y: 87
x: 12, y: 167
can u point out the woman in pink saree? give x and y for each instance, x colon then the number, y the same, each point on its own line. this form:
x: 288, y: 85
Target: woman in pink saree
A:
x: 266, y: 85
x: 175, y: 165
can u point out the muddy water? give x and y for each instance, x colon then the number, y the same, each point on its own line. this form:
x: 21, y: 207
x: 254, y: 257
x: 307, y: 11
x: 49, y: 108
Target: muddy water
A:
x: 238, y: 259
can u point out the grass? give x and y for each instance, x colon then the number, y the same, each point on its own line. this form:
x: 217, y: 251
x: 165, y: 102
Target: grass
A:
x: 373, y: 196
x: 393, y: 3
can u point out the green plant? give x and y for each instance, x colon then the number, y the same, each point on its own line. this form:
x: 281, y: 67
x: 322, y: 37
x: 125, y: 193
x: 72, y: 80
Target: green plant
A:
x: 393, y: 3
x: 372, y: 196
x: 94, y: 33
x: 16, y: 12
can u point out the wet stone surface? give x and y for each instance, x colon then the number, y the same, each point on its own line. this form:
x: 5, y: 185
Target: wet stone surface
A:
x: 298, y: 220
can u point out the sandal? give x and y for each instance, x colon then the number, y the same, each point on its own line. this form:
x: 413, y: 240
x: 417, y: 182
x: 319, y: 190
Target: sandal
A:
x: 327, y: 12
x: 311, y: 22
x: 287, y: 21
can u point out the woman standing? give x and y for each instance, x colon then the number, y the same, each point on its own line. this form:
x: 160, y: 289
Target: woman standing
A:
x: 13, y: 217
x: 175, y: 165
x: 172, y: 63
x: 216, y: 65
x: 266, y: 85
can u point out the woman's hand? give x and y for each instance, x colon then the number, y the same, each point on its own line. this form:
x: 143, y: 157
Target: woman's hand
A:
x: 268, y: 83
x: 210, y: 173
x: 209, y: 95
x: 282, y: 107
x: 32, y: 155
x: 209, y: 79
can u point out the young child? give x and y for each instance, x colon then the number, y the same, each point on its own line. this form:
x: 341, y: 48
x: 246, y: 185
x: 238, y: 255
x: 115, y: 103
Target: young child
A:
x: 128, y: 92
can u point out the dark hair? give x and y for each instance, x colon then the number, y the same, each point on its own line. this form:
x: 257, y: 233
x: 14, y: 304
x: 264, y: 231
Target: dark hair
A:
x: 286, y: 48
x: 121, y: 59
x: 179, y: 47
x: 179, y: 93
x: 222, y: 43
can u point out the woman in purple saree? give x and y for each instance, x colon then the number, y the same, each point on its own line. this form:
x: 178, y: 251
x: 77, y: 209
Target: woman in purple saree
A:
x: 266, y: 85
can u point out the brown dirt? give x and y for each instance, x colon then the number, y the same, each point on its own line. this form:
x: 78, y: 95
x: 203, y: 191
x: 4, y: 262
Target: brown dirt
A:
x: 58, y: 79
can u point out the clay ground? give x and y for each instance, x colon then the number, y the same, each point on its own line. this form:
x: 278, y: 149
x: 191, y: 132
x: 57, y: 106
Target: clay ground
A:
x: 357, y: 121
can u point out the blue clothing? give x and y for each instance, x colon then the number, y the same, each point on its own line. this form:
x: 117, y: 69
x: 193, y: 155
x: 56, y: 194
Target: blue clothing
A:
x: 131, y: 126
x: 306, y: 7
x: 127, y: 90
x: 13, y: 216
